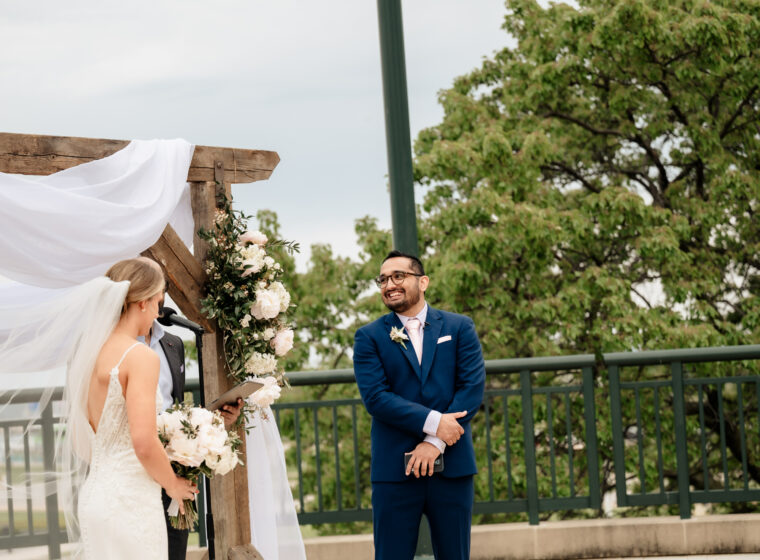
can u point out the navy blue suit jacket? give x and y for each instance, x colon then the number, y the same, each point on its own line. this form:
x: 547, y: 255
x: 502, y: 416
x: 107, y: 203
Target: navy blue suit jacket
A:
x: 399, y: 393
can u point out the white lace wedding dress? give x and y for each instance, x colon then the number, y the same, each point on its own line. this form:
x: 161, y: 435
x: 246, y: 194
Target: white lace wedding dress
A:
x: 120, y: 510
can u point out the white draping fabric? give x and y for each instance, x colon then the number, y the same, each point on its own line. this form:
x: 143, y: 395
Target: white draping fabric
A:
x: 274, y: 524
x: 69, y: 227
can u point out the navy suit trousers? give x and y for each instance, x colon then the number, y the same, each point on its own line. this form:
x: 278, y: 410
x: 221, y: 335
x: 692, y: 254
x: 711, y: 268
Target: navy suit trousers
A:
x: 397, y: 509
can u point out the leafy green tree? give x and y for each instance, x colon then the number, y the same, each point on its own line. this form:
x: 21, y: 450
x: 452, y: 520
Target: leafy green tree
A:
x: 592, y: 189
x: 614, y: 149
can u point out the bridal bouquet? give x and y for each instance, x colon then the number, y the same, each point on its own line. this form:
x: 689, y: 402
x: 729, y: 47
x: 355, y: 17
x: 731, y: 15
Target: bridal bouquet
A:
x: 196, y: 442
x: 246, y: 297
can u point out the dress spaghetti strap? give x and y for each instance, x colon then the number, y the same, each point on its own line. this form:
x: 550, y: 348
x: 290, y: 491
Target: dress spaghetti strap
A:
x: 116, y: 367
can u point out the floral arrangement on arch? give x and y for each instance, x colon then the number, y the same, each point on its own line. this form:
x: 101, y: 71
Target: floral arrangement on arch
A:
x: 246, y: 297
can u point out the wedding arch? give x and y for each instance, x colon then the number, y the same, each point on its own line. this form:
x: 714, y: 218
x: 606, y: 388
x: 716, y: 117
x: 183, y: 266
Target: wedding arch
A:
x: 212, y: 172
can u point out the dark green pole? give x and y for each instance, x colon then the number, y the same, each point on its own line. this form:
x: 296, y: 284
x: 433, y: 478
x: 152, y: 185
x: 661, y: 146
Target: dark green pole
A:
x: 397, y: 135
x: 399, y: 148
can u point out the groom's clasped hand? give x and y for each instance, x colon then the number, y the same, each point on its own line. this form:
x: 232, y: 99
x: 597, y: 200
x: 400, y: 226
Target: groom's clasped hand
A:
x: 449, y: 430
x: 421, y: 462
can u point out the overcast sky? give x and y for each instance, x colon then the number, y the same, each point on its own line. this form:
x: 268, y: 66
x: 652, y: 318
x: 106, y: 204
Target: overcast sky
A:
x: 299, y: 77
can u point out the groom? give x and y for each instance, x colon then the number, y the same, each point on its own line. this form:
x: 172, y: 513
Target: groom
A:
x: 421, y: 375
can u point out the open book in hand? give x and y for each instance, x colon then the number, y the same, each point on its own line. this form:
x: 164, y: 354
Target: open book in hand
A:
x: 240, y: 391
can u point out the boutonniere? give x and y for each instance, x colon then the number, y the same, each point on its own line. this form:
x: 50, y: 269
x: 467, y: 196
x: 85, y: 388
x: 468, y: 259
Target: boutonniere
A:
x: 398, y: 335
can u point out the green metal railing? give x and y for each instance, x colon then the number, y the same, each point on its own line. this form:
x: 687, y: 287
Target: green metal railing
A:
x: 536, y: 435
x: 28, y: 449
x: 715, y: 400
x: 337, y: 432
x: 675, y: 427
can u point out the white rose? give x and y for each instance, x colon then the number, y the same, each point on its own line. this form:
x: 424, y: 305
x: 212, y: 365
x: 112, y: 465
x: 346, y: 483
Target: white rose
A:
x: 259, y: 364
x: 212, y: 439
x: 283, y: 342
x: 200, y: 416
x: 253, y: 237
x: 169, y: 422
x: 266, y: 306
x: 282, y: 294
x: 269, y: 393
x: 268, y: 334
x: 212, y: 460
x: 226, y: 462
x: 185, y: 451
x: 268, y: 262
x: 253, y: 259
x: 245, y: 321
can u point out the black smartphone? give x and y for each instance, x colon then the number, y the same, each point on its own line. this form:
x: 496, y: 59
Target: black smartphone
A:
x: 437, y: 464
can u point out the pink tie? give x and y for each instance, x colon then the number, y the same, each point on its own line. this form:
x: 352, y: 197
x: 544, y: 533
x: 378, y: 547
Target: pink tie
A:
x: 413, y: 328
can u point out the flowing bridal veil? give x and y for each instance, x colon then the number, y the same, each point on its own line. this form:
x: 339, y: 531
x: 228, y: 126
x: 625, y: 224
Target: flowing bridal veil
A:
x: 60, y: 234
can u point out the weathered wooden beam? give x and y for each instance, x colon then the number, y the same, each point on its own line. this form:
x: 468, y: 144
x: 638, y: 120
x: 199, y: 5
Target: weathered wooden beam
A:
x: 185, y: 274
x: 229, y: 493
x: 30, y: 154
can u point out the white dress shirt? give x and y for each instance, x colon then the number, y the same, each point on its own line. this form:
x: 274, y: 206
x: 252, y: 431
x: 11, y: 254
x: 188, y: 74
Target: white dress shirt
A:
x: 434, y: 418
x: 165, y: 381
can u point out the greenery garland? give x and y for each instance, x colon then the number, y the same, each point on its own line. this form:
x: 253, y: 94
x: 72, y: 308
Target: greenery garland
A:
x: 249, y: 303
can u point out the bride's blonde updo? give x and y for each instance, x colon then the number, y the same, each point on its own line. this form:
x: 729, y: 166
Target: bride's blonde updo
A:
x: 145, y: 278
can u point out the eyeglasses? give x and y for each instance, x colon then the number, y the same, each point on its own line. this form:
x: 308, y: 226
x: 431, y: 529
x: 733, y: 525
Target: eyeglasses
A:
x: 397, y: 276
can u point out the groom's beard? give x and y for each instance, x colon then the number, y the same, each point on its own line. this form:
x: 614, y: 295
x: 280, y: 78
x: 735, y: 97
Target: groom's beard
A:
x: 409, y: 299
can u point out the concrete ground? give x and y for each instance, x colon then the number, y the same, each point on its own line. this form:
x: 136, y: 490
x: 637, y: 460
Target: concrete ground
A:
x: 722, y: 537
x: 40, y: 553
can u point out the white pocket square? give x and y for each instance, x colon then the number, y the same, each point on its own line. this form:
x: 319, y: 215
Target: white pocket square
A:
x: 444, y: 338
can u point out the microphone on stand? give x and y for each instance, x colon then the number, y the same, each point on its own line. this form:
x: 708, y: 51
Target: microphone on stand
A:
x: 169, y: 317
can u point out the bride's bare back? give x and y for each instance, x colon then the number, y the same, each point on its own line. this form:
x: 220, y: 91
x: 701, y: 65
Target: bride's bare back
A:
x: 112, y: 352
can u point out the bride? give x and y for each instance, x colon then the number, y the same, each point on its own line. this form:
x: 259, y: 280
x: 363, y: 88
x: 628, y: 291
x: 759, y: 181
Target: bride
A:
x: 120, y: 511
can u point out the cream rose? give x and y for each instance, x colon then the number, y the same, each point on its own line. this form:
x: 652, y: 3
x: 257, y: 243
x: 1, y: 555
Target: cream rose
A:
x: 269, y: 393
x: 259, y: 364
x: 253, y: 237
x: 283, y: 342
x: 211, y: 439
x: 253, y: 259
x: 185, y: 450
x: 169, y: 422
x: 266, y: 306
x: 225, y: 462
x: 282, y: 294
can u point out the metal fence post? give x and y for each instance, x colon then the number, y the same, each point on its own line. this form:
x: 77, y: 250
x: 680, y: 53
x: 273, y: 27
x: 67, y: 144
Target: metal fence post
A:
x: 616, y: 417
x: 51, y: 500
x: 682, y: 456
x: 592, y: 454
x: 530, y: 446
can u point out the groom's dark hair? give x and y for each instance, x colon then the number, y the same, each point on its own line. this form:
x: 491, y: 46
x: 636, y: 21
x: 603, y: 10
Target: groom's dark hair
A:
x: 416, y: 263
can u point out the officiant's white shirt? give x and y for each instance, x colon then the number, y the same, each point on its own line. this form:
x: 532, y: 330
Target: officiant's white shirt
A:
x: 165, y: 381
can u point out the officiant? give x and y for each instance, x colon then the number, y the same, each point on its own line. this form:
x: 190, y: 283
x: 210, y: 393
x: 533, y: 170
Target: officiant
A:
x: 171, y: 384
